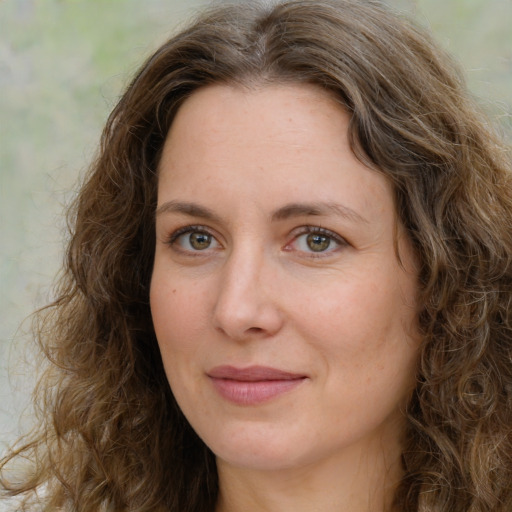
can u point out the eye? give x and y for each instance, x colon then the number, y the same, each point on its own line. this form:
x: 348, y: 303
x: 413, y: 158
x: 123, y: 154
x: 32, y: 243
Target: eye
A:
x: 193, y: 239
x: 316, y: 240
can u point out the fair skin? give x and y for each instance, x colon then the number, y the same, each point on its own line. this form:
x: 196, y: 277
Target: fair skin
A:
x: 286, y: 324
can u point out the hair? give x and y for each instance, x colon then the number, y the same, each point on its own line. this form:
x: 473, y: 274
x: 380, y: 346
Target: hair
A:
x: 111, y: 436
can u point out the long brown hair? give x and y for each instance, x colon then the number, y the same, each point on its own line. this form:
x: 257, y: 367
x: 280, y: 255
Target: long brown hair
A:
x: 111, y: 435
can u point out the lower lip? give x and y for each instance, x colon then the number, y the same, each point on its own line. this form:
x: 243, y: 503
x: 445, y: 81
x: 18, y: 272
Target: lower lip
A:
x: 254, y: 392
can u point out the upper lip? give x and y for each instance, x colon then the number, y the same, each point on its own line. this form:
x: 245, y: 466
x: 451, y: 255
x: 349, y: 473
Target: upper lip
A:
x: 252, y: 373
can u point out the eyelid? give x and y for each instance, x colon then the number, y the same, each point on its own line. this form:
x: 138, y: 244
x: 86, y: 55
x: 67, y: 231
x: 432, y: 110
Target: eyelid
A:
x: 295, y: 234
x: 196, y: 228
x: 187, y: 229
x: 308, y: 229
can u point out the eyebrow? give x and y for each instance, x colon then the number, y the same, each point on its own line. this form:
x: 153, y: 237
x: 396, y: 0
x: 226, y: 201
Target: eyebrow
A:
x: 316, y: 209
x: 190, y: 209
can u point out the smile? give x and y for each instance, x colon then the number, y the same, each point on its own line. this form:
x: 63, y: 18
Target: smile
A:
x: 253, y: 385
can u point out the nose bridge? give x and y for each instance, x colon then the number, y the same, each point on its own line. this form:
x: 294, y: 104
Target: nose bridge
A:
x: 245, y: 304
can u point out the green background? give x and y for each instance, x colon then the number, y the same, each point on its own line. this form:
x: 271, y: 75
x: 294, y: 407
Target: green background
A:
x: 63, y: 65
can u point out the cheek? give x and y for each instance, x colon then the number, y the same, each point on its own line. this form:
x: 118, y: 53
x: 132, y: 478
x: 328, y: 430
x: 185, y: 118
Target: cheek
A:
x: 366, y: 330
x: 368, y: 352
x: 178, y: 314
x: 350, y: 311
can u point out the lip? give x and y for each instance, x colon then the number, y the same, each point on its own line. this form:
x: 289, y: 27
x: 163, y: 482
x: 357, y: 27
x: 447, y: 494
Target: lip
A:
x: 254, y: 384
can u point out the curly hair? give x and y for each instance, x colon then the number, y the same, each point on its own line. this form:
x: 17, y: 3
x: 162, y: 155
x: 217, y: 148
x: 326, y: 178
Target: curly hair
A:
x: 111, y: 435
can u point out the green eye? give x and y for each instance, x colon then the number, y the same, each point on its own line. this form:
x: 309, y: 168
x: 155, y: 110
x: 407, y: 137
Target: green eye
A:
x: 192, y: 239
x: 199, y: 241
x: 317, y: 242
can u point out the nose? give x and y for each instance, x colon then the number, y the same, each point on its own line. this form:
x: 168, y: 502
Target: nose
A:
x: 247, y: 305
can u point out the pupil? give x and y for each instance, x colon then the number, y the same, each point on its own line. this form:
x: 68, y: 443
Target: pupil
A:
x: 318, y: 243
x: 200, y: 240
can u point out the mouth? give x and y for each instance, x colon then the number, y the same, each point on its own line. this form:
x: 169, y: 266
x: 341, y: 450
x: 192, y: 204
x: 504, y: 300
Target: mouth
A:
x: 253, y: 385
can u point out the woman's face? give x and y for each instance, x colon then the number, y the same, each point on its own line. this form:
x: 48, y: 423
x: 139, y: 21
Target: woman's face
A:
x: 285, y: 322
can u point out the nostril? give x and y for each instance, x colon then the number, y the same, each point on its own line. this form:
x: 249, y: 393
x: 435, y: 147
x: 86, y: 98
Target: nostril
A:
x: 254, y: 330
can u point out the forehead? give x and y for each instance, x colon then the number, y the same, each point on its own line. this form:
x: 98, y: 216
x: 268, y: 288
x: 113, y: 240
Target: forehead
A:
x: 290, y: 140
x: 272, y: 112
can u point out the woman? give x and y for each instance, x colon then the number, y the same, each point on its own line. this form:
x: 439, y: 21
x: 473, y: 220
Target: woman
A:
x: 288, y: 285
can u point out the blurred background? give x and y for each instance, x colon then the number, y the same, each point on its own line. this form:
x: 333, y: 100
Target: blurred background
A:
x: 64, y: 64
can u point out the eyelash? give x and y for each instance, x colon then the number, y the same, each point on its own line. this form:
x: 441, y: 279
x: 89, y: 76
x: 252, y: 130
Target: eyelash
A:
x: 298, y: 232
x: 173, y: 237
x: 317, y: 230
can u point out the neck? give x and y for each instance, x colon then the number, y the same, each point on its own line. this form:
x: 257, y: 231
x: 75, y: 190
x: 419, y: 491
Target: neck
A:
x: 358, y: 482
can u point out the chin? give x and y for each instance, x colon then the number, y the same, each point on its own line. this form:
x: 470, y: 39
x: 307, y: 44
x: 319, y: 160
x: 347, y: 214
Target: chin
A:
x: 256, y: 448
x: 261, y: 459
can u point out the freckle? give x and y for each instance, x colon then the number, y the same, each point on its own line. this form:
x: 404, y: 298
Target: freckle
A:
x: 174, y: 291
